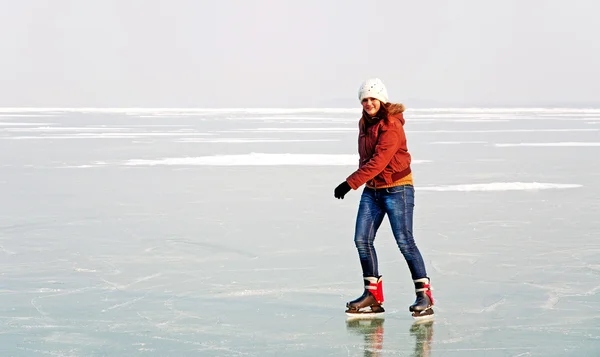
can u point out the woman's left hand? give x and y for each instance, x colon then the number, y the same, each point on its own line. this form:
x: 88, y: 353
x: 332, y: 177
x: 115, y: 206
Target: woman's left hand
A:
x: 342, y: 190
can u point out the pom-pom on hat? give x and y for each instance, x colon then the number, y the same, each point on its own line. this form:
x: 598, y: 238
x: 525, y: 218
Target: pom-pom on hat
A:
x: 373, y: 88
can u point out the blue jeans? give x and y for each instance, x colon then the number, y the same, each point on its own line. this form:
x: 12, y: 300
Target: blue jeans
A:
x: 398, y: 203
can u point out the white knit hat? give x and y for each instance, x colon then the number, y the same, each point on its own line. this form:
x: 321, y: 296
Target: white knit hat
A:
x: 373, y: 88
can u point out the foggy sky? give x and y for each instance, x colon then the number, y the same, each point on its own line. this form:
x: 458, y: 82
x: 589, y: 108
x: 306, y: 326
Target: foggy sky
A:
x: 259, y: 53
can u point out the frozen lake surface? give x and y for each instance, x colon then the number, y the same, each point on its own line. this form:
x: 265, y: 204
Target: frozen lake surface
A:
x: 190, y: 232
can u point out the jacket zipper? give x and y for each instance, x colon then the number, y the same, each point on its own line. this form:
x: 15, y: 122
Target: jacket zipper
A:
x: 367, y: 133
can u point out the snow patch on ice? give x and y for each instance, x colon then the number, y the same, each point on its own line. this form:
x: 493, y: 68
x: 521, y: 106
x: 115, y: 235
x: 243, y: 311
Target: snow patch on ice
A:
x: 500, y: 186
x: 299, y: 130
x: 249, y: 140
x: 457, y: 142
x: 125, y: 135
x: 257, y: 159
x: 479, y: 120
x: 559, y: 144
x: 84, y: 166
x: 23, y: 124
x: 64, y: 128
x: 504, y: 131
x: 48, y: 290
x: 25, y: 115
x: 181, y: 111
x: 449, y: 117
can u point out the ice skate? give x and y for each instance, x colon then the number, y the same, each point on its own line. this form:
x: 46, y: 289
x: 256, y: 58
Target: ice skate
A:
x: 368, y: 305
x: 422, y: 308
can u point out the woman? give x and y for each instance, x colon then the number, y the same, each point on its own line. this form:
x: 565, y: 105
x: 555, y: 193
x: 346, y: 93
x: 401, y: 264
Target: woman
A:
x: 384, y: 168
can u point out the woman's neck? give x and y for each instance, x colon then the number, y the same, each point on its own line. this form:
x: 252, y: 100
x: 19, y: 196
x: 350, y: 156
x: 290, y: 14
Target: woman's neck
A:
x: 370, y: 120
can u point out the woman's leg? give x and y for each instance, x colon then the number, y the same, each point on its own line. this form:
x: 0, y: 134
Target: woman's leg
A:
x: 369, y: 217
x: 399, y: 205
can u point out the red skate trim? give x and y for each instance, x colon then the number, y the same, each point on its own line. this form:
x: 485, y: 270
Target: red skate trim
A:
x: 428, y: 292
x: 375, y: 287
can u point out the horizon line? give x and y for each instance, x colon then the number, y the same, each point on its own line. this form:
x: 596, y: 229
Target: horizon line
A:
x: 240, y: 108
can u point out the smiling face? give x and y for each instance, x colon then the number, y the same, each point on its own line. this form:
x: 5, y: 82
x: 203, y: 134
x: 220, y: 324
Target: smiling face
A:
x: 371, y: 106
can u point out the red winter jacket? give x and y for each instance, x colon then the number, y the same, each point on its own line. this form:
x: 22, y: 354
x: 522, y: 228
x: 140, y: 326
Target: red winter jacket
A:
x: 384, y: 156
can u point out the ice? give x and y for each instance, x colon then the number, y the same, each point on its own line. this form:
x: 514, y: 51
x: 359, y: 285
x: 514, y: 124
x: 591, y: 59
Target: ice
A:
x: 195, y: 232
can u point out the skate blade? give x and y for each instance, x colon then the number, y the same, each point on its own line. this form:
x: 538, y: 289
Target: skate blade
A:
x: 364, y: 315
x: 423, y: 315
x: 366, y: 312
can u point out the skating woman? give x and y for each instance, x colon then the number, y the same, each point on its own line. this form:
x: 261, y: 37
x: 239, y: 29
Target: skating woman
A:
x: 385, y: 170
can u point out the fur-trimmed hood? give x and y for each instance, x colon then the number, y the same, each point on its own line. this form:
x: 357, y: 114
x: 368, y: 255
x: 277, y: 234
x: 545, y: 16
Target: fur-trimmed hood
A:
x: 396, y: 111
x: 395, y: 108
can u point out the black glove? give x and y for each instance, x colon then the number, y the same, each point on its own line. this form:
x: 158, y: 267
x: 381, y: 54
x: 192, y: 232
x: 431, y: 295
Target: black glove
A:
x: 342, y: 190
